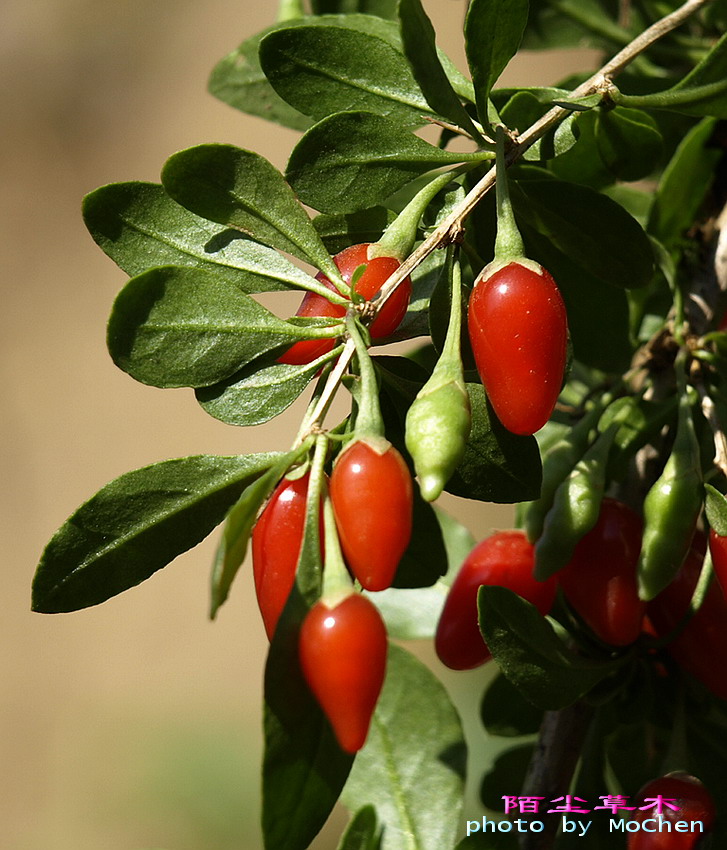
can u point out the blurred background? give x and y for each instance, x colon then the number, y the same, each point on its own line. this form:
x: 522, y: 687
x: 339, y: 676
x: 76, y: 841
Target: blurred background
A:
x: 134, y: 725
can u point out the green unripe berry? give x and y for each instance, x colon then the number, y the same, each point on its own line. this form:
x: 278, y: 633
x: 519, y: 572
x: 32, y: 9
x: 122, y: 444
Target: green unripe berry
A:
x: 437, y: 427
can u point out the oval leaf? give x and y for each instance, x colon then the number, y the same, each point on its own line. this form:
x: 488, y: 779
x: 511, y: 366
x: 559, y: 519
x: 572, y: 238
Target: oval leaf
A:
x: 139, y: 226
x: 629, y: 142
x: 180, y: 327
x: 321, y: 70
x: 412, y: 767
x: 531, y: 655
x: 493, y: 32
x: 589, y: 228
x: 242, y: 189
x: 355, y: 160
x: 136, y: 525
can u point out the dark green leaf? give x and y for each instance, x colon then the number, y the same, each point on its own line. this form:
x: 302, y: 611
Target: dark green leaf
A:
x: 590, y: 229
x: 239, y: 81
x: 598, y: 314
x: 321, y: 70
x: 182, y: 327
x: 629, y: 142
x: 418, y: 38
x: 355, y: 160
x: 238, y: 528
x: 258, y: 393
x: 242, y: 189
x: 531, y: 655
x: 477, y: 840
x: 139, y: 226
x: 425, y: 558
x: 684, y: 184
x: 505, y: 712
x: 523, y: 110
x: 341, y: 231
x: 363, y: 831
x: 582, y: 163
x: 508, y: 771
x: 136, y: 525
x: 716, y: 508
x: 412, y: 766
x: 498, y: 466
x: 493, y: 32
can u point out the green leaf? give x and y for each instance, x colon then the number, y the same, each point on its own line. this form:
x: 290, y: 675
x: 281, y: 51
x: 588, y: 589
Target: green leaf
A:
x: 363, y: 832
x: 493, y: 32
x: 136, y: 525
x: 355, y: 160
x: 412, y: 766
x: 684, y: 184
x: 321, y: 70
x: 523, y: 110
x: 629, y: 142
x: 508, y: 771
x: 598, y: 314
x: 239, y: 81
x: 425, y: 558
x: 418, y: 38
x: 258, y: 393
x: 590, y: 229
x: 506, y: 713
x: 139, y: 226
x: 341, y: 231
x: 498, y: 466
x: 238, y: 528
x: 241, y: 189
x: 182, y: 327
x: 716, y: 508
x: 524, y: 644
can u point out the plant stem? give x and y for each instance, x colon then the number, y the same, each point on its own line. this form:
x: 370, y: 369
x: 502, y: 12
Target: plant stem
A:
x: 508, y: 242
x: 553, y: 764
x: 369, y: 423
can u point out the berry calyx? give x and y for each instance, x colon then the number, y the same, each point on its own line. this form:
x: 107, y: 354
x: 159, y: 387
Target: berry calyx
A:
x: 377, y: 271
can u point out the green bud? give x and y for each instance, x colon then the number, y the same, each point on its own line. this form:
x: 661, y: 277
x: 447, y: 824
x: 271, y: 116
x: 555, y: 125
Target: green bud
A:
x: 437, y: 427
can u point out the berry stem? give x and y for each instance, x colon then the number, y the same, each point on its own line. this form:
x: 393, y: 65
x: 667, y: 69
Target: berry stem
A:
x: 369, y: 422
x: 509, y: 242
x: 337, y: 584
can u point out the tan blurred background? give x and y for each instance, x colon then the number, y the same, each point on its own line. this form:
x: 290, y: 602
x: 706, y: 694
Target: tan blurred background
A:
x: 134, y: 725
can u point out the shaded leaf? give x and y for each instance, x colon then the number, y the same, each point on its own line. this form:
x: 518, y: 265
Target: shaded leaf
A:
x: 239, y: 81
x: 684, y: 183
x: 508, y: 772
x: 412, y: 766
x: 136, y: 525
x: 505, y: 712
x: 354, y: 160
x: 531, y: 655
x: 363, y: 831
x: 629, y: 142
x: 590, y: 229
x: 139, y: 226
x: 341, y: 231
x: 498, y: 466
x: 182, y: 327
x: 382, y: 8
x: 242, y: 189
x: 258, y: 393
